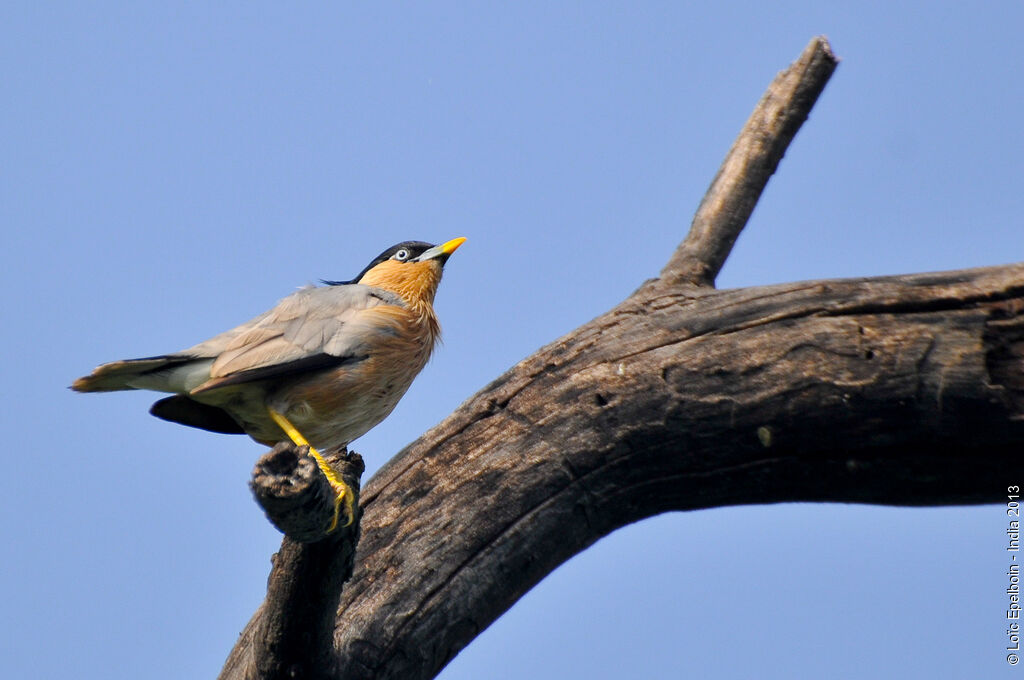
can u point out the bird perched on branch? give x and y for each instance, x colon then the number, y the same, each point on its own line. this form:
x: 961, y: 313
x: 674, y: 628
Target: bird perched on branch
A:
x: 322, y: 367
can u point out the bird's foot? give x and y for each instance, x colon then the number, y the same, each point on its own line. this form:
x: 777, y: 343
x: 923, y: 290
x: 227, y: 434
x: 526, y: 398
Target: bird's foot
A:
x: 343, y: 493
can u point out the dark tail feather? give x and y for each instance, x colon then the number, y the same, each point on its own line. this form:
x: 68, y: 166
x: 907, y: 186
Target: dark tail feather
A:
x: 181, y: 409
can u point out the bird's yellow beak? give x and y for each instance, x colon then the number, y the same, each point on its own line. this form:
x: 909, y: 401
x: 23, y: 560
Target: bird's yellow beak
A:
x: 442, y: 251
x: 448, y: 247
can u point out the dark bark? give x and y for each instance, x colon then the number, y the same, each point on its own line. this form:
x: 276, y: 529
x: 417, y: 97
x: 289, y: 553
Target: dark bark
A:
x: 298, y: 500
x: 293, y: 637
x: 904, y: 390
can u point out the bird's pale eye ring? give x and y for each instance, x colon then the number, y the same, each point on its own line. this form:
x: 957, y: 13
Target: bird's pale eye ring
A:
x: 402, y: 255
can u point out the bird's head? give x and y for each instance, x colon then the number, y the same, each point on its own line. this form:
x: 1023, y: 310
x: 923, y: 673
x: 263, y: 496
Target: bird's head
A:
x: 412, y: 269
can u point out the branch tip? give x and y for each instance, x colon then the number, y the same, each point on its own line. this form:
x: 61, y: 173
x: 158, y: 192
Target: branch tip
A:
x: 295, y: 495
x: 753, y: 158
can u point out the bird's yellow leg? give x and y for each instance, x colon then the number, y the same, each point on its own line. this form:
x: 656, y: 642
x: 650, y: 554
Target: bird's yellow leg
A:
x: 341, y: 489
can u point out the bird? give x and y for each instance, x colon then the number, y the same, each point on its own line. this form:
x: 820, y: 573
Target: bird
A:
x: 322, y: 367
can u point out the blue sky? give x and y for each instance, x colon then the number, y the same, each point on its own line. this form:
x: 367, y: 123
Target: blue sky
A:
x: 172, y: 169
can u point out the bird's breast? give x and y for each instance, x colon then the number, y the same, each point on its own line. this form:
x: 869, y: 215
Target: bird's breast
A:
x: 333, y: 407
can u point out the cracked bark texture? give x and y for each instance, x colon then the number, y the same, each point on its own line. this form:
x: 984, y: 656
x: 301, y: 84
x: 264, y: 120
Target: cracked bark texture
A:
x: 905, y: 390
x: 873, y: 391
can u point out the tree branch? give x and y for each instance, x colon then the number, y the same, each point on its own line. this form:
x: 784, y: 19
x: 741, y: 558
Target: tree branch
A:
x: 751, y: 161
x: 294, y: 637
x: 900, y: 390
x: 296, y: 497
x: 871, y: 390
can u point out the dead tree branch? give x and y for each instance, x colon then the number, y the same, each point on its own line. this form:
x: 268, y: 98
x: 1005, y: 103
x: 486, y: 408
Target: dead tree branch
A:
x: 904, y: 390
x: 751, y: 161
x: 294, y: 636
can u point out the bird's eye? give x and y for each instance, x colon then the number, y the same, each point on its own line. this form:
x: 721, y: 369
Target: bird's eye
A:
x: 402, y: 255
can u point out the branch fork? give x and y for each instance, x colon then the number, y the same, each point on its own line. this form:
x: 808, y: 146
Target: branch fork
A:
x: 897, y: 390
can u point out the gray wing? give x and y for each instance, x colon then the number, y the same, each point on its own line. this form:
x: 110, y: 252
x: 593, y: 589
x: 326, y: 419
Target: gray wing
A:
x: 312, y: 329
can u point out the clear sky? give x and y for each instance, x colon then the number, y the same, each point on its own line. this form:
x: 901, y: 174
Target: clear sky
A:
x: 171, y: 169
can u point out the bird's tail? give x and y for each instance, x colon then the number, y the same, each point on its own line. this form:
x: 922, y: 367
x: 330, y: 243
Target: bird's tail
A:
x: 153, y: 373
